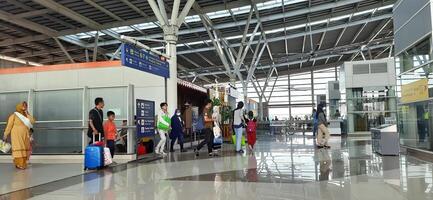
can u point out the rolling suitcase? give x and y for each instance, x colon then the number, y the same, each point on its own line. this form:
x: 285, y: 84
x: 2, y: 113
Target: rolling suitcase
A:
x: 94, y: 156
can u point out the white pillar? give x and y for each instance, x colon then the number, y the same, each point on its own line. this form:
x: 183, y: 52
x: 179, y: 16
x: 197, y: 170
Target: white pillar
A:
x: 260, y: 108
x: 245, y: 91
x: 171, y: 39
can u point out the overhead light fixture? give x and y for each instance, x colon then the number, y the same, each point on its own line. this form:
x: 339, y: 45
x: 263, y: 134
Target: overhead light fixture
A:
x: 17, y: 60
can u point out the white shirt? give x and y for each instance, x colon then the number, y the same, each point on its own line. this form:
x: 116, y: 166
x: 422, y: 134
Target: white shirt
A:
x: 237, y: 118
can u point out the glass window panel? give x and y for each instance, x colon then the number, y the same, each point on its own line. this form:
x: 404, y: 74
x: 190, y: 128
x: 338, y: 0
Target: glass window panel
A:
x: 8, y: 101
x: 58, y: 105
x: 49, y: 141
x: 114, y: 98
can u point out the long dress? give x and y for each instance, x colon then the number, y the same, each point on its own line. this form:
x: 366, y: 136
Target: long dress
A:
x: 20, y: 138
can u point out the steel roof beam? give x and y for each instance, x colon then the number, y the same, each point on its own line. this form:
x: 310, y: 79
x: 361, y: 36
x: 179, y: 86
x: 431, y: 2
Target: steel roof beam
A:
x: 230, y: 5
x: 284, y: 64
x: 296, y: 35
x: 75, y: 16
x: 102, y: 9
x: 270, y: 17
x: 64, y: 50
x: 207, y: 23
x: 27, y: 24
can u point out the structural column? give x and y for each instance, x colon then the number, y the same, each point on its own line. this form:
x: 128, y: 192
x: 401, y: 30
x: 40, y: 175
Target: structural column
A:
x: 170, y: 27
x: 172, y: 81
x: 261, y: 108
x: 312, y: 88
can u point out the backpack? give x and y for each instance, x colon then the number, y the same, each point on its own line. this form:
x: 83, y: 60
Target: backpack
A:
x: 251, y: 126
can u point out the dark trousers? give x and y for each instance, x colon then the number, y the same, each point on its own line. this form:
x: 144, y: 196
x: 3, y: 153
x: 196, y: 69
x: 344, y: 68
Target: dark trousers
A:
x: 179, y: 138
x: 111, y: 145
x: 208, y: 140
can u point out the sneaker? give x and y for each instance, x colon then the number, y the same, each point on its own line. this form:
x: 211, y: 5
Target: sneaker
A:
x: 210, y: 154
x: 183, y: 151
x: 319, y: 146
x: 327, y: 147
x: 196, y: 152
x: 172, y: 151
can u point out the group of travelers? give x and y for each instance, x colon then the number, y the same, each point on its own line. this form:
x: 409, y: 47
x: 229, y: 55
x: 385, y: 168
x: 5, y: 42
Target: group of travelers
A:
x: 209, y: 124
x: 174, y: 125
x: 20, y: 128
x: 100, y: 131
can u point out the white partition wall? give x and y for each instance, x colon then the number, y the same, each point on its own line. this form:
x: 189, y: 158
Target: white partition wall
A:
x: 61, y: 99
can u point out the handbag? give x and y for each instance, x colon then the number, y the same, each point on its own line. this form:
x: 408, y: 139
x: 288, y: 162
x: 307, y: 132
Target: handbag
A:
x: 243, y: 143
x: 5, y: 147
x: 107, y: 157
x: 216, y: 130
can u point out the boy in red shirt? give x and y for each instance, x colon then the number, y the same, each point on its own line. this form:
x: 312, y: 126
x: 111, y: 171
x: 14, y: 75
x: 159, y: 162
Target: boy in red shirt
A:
x: 110, y: 132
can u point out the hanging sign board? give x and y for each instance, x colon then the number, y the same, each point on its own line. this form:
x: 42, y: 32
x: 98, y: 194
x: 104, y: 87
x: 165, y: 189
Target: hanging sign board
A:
x: 139, y: 59
x: 416, y: 91
x: 145, y: 117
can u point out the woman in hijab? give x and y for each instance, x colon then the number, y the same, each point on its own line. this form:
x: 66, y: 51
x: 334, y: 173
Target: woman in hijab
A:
x: 177, y: 125
x: 18, y: 126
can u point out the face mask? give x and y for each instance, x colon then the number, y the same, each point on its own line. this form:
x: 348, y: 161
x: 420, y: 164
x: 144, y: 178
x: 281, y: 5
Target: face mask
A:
x: 178, y: 114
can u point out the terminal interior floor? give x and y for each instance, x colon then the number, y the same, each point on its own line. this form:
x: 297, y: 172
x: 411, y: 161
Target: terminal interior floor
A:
x: 281, y: 168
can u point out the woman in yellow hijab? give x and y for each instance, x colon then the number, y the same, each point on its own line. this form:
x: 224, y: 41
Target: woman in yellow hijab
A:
x: 18, y: 126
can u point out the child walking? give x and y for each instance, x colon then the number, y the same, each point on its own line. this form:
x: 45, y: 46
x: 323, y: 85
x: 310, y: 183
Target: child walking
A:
x: 110, y: 131
x: 251, y: 130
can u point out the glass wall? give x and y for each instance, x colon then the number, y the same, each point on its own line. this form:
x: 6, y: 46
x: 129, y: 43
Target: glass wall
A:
x: 415, y: 117
x: 56, y: 109
x: 370, y: 107
x: 61, y: 115
x: 295, y: 97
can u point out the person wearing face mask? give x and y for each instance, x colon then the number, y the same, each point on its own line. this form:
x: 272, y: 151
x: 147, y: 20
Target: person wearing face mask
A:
x: 177, y: 125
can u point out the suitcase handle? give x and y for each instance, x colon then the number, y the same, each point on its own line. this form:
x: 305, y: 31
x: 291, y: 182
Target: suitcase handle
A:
x: 94, y: 137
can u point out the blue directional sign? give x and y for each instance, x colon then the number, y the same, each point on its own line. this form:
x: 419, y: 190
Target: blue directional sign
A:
x: 145, y: 118
x: 139, y: 59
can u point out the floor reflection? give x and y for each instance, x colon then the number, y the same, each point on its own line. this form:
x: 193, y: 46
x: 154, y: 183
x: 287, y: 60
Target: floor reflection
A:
x: 280, y: 168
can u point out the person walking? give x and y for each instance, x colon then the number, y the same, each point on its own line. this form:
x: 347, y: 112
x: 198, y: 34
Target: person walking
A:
x: 323, y: 132
x: 205, y: 124
x: 18, y: 127
x: 96, y: 120
x: 238, y: 125
x: 314, y: 122
x: 163, y: 126
x: 177, y: 125
x: 110, y: 132
x: 251, y: 130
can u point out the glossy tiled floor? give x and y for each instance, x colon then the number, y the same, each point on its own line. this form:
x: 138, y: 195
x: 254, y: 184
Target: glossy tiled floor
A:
x: 281, y: 168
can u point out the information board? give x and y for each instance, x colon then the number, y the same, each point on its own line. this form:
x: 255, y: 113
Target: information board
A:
x: 415, y: 91
x: 145, y: 118
x: 139, y: 59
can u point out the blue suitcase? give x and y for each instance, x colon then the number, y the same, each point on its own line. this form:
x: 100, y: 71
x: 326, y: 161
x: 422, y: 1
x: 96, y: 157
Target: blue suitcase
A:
x: 93, y: 157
